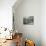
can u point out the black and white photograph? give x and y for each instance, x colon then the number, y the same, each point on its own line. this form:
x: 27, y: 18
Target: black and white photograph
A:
x: 28, y: 20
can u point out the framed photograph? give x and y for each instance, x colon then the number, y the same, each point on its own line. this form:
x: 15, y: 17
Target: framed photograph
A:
x: 28, y: 20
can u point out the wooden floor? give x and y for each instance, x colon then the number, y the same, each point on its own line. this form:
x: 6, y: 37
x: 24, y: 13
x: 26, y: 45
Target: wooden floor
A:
x: 9, y: 43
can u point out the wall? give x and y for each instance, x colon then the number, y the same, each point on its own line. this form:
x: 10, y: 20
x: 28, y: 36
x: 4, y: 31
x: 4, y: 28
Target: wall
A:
x: 6, y: 13
x: 29, y: 8
x: 43, y: 22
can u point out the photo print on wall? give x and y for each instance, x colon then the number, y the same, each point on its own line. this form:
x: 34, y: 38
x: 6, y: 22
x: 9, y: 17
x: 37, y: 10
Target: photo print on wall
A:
x: 28, y: 20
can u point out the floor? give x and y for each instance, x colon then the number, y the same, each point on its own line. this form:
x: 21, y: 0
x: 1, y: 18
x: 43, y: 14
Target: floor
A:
x: 9, y: 43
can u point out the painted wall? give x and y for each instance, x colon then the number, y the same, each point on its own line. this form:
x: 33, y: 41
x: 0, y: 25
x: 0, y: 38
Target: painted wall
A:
x: 24, y: 9
x: 43, y: 22
x: 6, y: 13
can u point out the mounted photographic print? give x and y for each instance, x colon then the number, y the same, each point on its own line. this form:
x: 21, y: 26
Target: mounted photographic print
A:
x: 28, y: 20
